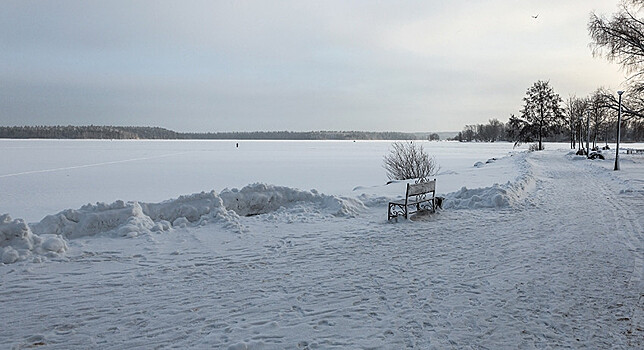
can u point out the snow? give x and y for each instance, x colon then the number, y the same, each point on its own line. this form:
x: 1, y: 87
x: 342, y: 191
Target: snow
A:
x: 262, y: 199
x: 495, y: 196
x: 18, y: 242
x: 133, y: 218
x: 531, y: 250
x: 42, y: 177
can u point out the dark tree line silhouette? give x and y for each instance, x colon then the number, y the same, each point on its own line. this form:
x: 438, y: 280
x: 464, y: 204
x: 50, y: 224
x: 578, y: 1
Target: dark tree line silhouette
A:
x: 157, y: 133
x: 602, y: 127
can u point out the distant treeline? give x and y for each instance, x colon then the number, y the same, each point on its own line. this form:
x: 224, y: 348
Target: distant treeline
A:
x: 600, y: 131
x: 307, y: 135
x: 495, y: 130
x: 156, y: 133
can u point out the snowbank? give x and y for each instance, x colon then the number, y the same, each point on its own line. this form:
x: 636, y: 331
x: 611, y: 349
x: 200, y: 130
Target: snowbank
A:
x: 497, y: 195
x: 18, y: 242
x: 48, y: 237
x: 261, y: 198
x: 119, y: 217
x: 133, y: 218
x: 199, y: 208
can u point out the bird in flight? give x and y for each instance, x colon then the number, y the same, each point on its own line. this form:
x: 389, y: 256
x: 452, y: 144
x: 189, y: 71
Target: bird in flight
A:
x: 535, y: 17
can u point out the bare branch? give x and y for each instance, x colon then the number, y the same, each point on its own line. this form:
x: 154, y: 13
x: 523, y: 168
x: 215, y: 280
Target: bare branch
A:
x: 408, y: 160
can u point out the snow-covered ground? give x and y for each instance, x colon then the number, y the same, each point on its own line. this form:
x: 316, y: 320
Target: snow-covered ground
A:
x: 539, y: 249
x: 41, y: 177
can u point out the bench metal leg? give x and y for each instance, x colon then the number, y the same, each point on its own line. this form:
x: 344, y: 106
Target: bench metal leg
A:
x: 395, y: 209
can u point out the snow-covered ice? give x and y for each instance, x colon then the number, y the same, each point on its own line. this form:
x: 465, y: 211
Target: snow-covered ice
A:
x: 531, y: 250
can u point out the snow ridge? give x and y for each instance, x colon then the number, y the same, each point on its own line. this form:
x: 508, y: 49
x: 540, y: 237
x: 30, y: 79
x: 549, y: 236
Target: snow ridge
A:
x: 497, y: 195
x: 49, y: 237
x: 134, y: 218
x: 261, y: 198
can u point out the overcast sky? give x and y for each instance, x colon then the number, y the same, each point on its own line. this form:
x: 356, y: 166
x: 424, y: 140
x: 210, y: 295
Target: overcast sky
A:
x: 237, y: 65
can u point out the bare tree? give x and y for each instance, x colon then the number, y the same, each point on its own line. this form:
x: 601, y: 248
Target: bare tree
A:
x: 632, y: 103
x: 469, y: 132
x: 583, y: 121
x: 621, y: 39
x: 574, y: 111
x: 495, y: 129
x: 598, y: 114
x: 408, y: 160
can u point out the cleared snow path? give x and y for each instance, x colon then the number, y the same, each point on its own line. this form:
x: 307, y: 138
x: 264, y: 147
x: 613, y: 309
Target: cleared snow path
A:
x: 543, y: 273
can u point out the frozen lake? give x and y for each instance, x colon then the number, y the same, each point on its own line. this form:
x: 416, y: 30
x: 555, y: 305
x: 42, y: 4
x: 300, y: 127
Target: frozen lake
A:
x: 41, y: 177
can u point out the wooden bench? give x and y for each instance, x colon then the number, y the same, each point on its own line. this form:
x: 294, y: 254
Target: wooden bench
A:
x: 634, y: 151
x: 420, y: 196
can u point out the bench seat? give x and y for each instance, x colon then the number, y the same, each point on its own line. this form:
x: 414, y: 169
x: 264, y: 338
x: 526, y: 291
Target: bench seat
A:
x: 420, y: 196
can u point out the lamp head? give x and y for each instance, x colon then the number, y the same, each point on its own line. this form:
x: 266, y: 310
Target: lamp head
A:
x: 620, y: 92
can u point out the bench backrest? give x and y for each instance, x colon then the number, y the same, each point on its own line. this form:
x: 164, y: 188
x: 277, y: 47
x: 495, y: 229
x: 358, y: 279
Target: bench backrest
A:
x: 421, y: 188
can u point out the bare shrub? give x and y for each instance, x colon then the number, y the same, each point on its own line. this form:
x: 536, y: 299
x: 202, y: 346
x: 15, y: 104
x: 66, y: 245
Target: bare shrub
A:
x: 408, y: 160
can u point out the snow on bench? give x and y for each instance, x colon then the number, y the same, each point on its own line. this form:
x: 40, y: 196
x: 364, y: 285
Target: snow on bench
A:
x: 417, y: 197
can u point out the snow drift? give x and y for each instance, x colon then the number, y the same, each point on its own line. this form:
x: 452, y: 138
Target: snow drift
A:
x: 133, y: 218
x: 497, y: 195
x: 49, y: 237
x: 261, y: 198
x: 19, y: 241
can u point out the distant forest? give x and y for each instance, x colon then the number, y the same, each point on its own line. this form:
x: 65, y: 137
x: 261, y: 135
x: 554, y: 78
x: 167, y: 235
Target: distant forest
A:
x: 597, y: 131
x: 493, y: 131
x: 156, y: 133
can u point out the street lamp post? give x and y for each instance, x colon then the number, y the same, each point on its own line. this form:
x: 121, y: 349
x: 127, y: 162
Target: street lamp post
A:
x: 588, y: 135
x: 619, y: 124
x: 581, y: 133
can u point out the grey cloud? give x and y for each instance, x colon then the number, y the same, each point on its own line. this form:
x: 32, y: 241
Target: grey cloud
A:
x: 247, y: 65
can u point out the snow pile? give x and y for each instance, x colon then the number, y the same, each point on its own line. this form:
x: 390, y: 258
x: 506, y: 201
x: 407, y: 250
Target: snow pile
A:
x: 199, y: 208
x: 18, y: 242
x: 495, y: 196
x: 133, y: 218
x: 124, y: 219
x: 261, y: 198
x: 481, y: 164
x: 130, y: 219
